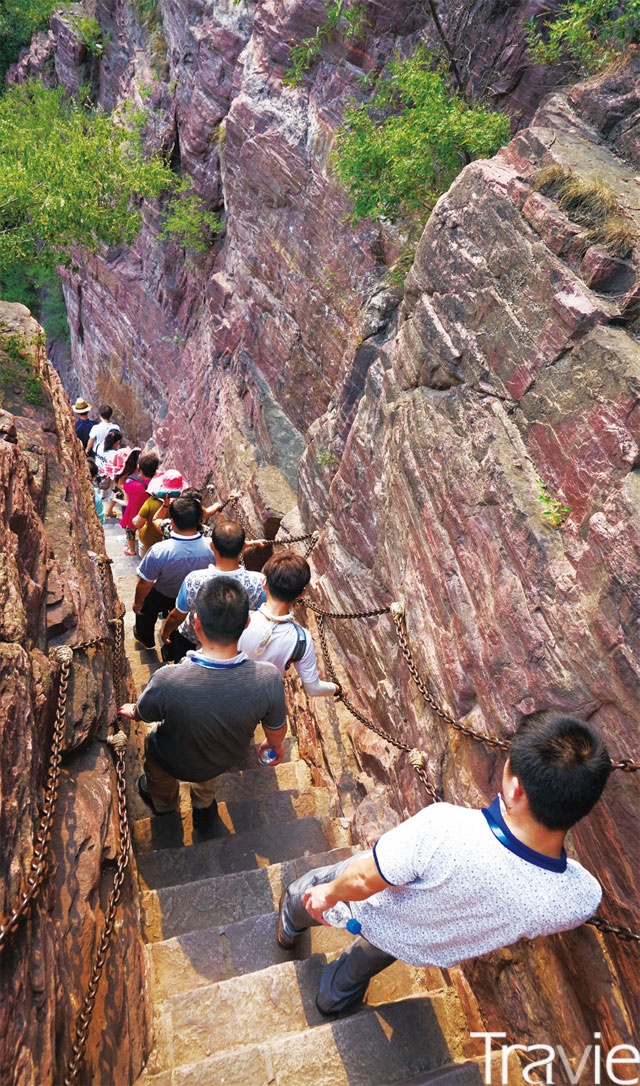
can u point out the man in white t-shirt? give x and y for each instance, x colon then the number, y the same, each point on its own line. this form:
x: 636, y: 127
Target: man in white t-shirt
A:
x: 100, y: 430
x: 453, y: 882
x: 227, y: 540
x: 273, y: 636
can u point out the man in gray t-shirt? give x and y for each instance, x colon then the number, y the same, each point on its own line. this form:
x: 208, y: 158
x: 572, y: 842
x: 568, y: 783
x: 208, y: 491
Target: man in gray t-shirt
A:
x: 208, y: 707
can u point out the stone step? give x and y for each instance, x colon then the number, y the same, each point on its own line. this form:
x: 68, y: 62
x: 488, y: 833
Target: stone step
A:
x: 200, y: 958
x: 175, y: 910
x: 374, y: 1046
x: 171, y: 831
x: 252, y: 781
x: 227, y: 852
x: 258, y: 1006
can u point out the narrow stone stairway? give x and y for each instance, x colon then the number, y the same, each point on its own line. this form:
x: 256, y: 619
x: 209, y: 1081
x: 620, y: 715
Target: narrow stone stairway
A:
x: 230, y: 1006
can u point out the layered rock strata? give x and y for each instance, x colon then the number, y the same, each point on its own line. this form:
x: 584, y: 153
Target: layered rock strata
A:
x: 429, y: 427
x: 54, y: 595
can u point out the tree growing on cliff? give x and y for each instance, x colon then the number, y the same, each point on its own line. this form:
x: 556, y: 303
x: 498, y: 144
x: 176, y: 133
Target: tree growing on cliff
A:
x: 398, y: 152
x: 70, y: 175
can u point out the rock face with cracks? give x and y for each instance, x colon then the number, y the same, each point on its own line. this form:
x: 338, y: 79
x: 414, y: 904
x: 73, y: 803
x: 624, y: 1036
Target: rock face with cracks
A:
x: 55, y: 596
x: 424, y: 425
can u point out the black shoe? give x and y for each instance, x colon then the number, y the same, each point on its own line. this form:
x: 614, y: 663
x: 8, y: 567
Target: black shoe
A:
x: 143, y: 792
x: 141, y: 642
x: 287, y: 942
x: 347, y: 1009
x: 202, y: 817
x: 166, y: 655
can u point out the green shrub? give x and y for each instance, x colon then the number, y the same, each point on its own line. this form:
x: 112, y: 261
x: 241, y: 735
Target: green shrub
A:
x: 588, y: 34
x: 19, y: 19
x: 397, y: 153
x: 90, y: 33
x: 41, y: 291
x: 347, y: 16
x: 188, y: 221
x: 16, y: 368
x: 553, y: 510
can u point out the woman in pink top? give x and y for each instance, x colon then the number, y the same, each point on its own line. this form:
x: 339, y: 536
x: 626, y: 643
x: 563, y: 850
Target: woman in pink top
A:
x: 134, y: 479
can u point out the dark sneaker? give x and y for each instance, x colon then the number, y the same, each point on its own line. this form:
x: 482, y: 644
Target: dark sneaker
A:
x: 202, y: 817
x: 287, y: 942
x: 141, y: 642
x: 143, y: 792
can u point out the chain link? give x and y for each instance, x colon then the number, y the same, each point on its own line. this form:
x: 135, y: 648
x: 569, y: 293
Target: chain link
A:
x: 621, y: 932
x: 38, y: 871
x: 83, y: 1020
x: 417, y: 758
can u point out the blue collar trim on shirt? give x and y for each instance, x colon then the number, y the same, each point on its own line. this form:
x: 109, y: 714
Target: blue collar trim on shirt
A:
x: 196, y: 658
x: 503, y: 834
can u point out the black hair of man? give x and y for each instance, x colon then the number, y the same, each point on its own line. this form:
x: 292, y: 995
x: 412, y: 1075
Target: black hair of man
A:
x: 227, y: 537
x: 111, y: 440
x: 148, y: 464
x: 93, y: 468
x: 186, y: 514
x: 192, y: 492
x: 222, y: 605
x: 106, y: 412
x: 287, y: 576
x: 562, y: 764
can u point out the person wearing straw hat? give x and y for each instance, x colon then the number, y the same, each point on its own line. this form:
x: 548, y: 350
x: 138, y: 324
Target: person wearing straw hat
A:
x: 84, y: 425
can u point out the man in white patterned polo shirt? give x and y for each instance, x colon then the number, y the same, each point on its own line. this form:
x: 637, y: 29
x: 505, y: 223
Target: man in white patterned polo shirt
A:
x: 453, y: 882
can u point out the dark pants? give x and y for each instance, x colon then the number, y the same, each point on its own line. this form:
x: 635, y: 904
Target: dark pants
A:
x: 144, y: 627
x: 178, y: 647
x: 344, y: 981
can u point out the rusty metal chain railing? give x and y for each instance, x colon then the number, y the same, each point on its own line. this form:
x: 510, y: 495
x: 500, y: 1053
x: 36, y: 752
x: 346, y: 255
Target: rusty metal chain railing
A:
x: 83, y: 1020
x: 38, y: 870
x: 619, y: 930
x: 417, y: 758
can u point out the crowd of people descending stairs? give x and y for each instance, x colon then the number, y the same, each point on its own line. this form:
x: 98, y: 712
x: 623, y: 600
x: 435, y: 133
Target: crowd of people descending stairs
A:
x: 445, y: 885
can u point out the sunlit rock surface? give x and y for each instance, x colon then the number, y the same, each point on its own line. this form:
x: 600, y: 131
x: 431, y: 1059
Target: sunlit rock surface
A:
x: 52, y: 594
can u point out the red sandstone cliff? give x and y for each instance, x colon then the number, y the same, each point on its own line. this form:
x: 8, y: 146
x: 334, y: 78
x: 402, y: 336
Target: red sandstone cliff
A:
x: 423, y: 428
x: 52, y: 596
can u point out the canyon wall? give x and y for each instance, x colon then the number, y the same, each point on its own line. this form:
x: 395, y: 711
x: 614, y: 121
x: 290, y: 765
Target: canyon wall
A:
x: 414, y: 428
x: 54, y: 595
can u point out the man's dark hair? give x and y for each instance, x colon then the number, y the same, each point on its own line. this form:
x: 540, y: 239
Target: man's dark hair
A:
x: 93, y: 468
x: 106, y: 412
x: 111, y: 440
x: 227, y: 537
x: 287, y: 576
x: 192, y: 492
x: 148, y: 464
x: 563, y: 766
x: 186, y: 514
x: 222, y: 605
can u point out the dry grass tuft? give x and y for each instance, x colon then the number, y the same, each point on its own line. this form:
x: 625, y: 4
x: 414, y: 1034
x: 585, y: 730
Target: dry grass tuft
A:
x: 592, y: 203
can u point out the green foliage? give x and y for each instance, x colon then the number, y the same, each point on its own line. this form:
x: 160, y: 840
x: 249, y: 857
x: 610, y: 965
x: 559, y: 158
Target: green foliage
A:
x: 89, y: 31
x: 593, y: 204
x: 347, y: 16
x: 19, y: 19
x: 40, y: 290
x: 397, y: 153
x: 553, y: 510
x: 149, y: 13
x: 68, y: 175
x: 588, y: 34
x: 16, y: 368
x: 188, y: 222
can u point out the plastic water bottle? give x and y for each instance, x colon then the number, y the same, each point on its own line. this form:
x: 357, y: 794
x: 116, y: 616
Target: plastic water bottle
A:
x: 268, y: 756
x: 340, y: 916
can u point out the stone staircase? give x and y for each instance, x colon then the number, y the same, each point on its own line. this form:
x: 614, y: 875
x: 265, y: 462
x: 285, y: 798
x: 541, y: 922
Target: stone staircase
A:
x: 231, y: 1008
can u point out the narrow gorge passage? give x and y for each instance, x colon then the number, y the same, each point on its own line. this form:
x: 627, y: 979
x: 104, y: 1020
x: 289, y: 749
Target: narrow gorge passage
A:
x: 230, y: 1006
